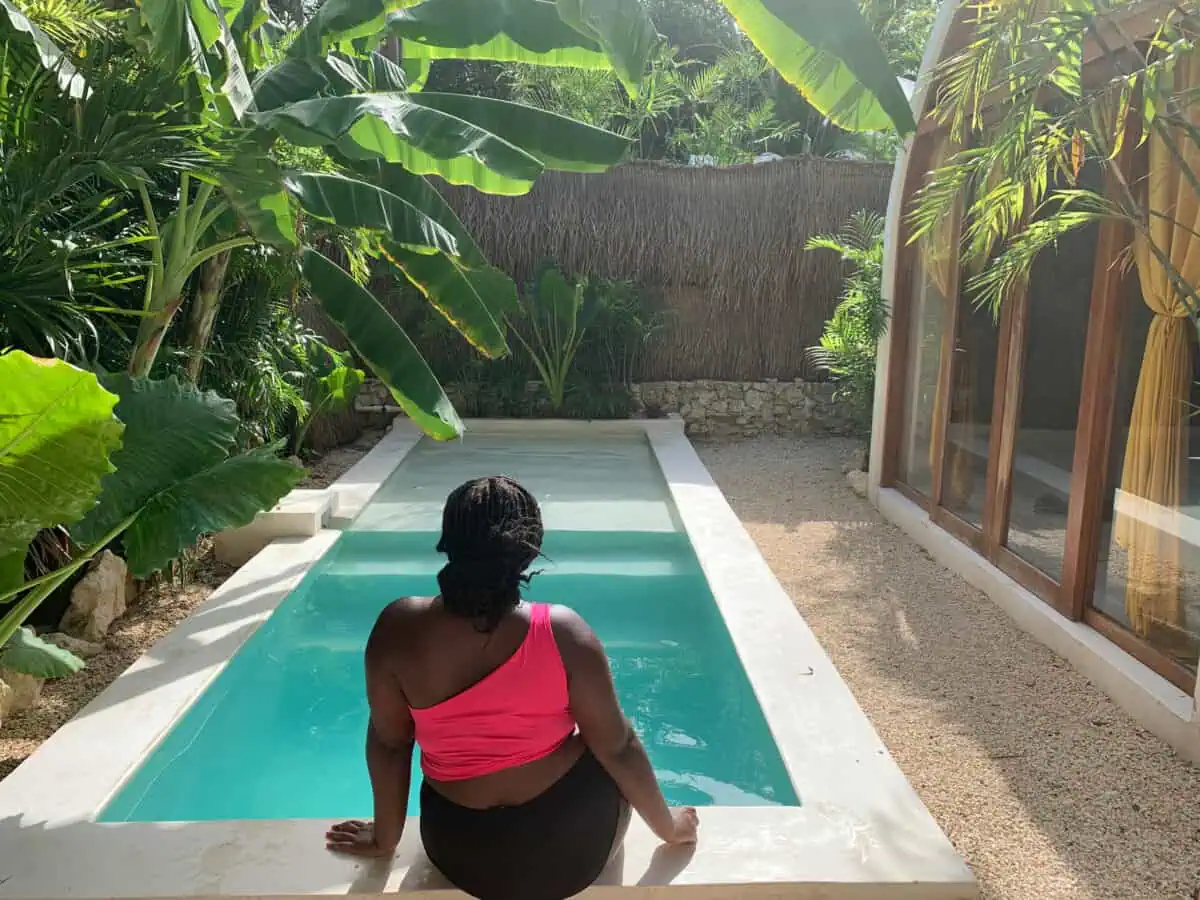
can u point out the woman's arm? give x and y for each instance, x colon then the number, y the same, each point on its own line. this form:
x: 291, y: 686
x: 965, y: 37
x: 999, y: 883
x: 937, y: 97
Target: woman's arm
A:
x: 389, y: 752
x: 609, y: 734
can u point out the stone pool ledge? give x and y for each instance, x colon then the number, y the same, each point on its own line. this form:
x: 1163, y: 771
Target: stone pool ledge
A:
x: 861, y: 834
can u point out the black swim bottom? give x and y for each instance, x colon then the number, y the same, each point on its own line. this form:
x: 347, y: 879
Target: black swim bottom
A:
x: 550, y: 848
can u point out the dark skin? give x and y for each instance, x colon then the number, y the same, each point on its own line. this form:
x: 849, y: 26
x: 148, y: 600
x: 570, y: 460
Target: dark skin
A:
x: 419, y: 655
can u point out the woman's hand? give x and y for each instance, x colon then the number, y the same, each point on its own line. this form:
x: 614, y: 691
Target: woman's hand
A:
x: 686, y: 825
x: 356, y: 838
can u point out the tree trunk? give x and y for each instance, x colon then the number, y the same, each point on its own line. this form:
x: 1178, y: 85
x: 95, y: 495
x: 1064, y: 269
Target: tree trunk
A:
x: 204, y: 311
x: 150, y: 337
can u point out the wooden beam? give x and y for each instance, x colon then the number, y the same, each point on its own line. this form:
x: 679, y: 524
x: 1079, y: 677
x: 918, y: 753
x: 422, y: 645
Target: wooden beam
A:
x: 1171, y: 669
x: 901, y: 325
x: 1093, y: 433
x: 1006, y: 412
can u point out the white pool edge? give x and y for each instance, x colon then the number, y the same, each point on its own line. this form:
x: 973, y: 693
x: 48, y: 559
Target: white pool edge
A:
x: 862, y: 831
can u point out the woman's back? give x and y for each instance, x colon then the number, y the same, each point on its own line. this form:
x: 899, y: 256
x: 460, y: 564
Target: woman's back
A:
x: 531, y: 765
x: 491, y: 710
x: 514, y: 714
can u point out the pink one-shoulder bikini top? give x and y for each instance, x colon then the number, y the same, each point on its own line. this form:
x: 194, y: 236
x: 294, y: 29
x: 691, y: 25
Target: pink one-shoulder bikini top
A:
x: 516, y: 714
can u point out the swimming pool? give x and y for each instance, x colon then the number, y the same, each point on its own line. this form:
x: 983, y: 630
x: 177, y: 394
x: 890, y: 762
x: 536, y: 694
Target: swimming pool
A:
x: 91, y: 816
x: 279, y: 734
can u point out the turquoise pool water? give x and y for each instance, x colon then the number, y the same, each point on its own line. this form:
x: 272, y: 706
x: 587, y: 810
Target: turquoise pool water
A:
x: 279, y: 733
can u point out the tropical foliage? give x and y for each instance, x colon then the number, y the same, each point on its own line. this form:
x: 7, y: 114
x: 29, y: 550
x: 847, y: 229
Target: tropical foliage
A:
x: 1016, y: 184
x: 851, y: 339
x: 148, y: 463
x: 176, y: 175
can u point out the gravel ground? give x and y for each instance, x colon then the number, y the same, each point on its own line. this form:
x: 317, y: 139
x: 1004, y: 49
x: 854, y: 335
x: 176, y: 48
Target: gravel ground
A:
x: 158, y: 608
x: 1048, y: 789
x: 329, y: 468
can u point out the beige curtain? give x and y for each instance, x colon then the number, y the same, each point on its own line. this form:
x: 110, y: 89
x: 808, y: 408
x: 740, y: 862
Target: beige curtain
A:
x: 1152, y: 480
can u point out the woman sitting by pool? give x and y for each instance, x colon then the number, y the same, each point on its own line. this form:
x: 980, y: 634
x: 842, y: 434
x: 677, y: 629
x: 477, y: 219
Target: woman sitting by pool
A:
x: 529, y: 764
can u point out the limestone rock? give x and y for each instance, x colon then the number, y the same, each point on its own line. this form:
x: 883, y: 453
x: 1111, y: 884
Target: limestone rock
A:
x: 6, y: 697
x: 23, y: 691
x: 97, y: 600
x: 857, y: 480
x: 81, y: 648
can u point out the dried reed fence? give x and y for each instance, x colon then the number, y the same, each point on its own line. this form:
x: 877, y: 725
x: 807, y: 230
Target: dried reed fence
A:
x: 724, y: 245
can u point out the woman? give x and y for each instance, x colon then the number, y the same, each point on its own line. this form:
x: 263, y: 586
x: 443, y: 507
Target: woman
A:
x: 529, y: 764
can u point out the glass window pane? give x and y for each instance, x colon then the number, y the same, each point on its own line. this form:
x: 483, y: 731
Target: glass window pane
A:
x: 929, y: 314
x: 1148, y: 576
x: 1060, y: 297
x: 973, y: 375
x: 932, y: 273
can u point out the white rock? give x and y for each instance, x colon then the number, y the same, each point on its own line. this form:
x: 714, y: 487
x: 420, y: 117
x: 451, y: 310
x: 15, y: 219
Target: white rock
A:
x: 857, y: 480
x: 6, y: 695
x: 23, y: 691
x: 97, y: 600
x: 81, y: 648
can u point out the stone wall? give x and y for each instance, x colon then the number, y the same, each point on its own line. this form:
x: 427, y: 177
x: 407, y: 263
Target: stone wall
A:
x: 747, y: 408
x: 712, y: 408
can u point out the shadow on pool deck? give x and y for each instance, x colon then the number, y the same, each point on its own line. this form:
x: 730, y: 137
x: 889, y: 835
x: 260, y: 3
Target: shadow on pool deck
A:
x: 1047, y: 788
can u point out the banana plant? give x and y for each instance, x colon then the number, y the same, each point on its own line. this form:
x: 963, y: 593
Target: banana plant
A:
x: 150, y: 462
x: 334, y: 92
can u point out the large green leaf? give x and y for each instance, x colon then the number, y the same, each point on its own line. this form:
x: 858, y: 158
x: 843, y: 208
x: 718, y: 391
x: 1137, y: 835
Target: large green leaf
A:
x: 416, y: 70
x: 286, y: 82
x: 341, y: 386
x: 559, y: 143
x: 172, y: 472
x: 172, y: 430
x: 417, y: 190
x: 397, y: 128
x: 352, y: 203
x: 526, y: 31
x: 15, y: 22
x: 827, y: 51
x: 227, y: 494
x: 254, y: 186
x: 337, y: 24
x: 184, y: 32
x: 621, y: 28
x: 473, y: 301
x: 28, y: 654
x: 383, y: 345
x: 57, y: 431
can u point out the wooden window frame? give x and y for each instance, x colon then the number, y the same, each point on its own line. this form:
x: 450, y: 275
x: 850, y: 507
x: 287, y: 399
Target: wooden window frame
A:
x: 1071, y: 594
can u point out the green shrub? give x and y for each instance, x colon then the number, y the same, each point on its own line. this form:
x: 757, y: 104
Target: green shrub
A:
x: 622, y: 318
x: 851, y: 339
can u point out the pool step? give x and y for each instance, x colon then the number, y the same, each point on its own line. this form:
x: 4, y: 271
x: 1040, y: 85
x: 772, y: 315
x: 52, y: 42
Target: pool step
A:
x: 427, y: 567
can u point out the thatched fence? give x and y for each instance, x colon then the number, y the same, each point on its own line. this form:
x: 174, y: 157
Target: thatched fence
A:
x: 724, y: 245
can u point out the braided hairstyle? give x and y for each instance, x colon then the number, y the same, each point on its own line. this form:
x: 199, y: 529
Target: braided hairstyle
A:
x: 491, y: 533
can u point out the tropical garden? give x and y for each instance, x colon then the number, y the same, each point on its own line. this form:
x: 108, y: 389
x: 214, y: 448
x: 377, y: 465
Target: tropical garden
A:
x: 179, y: 177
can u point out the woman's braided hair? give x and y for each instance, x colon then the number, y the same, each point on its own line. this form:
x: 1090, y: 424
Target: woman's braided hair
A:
x: 491, y: 533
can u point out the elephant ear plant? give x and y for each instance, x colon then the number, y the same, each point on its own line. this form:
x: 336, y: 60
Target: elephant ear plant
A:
x: 148, y: 462
x: 555, y: 316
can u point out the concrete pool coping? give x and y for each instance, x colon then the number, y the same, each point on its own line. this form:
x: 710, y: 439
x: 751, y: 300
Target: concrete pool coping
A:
x: 861, y: 833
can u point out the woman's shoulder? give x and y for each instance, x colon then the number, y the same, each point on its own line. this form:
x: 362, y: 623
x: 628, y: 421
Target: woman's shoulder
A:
x: 404, y: 611
x: 569, y: 626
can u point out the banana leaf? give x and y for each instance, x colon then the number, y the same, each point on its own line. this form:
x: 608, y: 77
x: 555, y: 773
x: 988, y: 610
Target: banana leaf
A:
x: 382, y: 344
x: 524, y: 31
x: 827, y: 51
x: 396, y: 128
x: 352, y: 203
